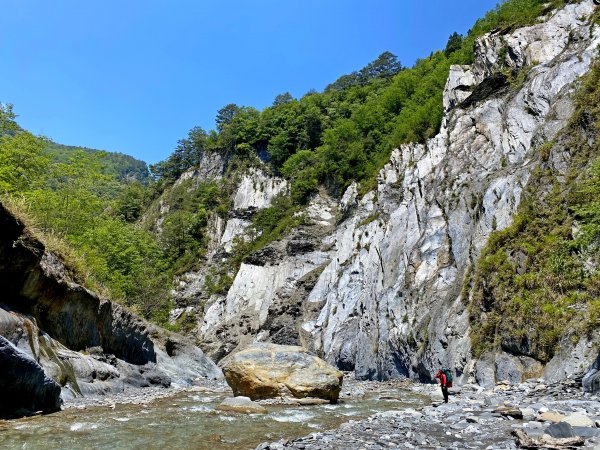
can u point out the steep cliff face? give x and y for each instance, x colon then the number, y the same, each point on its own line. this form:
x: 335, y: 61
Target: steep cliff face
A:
x: 392, y: 293
x: 65, y: 332
x: 375, y: 284
x: 251, y: 190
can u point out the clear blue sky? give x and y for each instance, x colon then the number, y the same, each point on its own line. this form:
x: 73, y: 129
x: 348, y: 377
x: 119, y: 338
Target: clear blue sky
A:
x: 135, y: 75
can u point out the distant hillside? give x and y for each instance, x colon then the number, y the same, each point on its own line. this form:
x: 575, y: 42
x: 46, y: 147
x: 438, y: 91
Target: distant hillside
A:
x: 118, y: 165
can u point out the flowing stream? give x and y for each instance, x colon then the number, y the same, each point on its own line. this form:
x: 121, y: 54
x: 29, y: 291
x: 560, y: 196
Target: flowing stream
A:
x: 189, y: 420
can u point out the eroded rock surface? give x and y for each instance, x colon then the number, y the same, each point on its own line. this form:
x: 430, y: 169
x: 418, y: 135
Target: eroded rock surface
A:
x: 24, y: 387
x: 87, y: 345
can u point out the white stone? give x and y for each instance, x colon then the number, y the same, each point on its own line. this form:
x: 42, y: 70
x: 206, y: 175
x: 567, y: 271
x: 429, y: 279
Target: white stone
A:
x: 579, y: 420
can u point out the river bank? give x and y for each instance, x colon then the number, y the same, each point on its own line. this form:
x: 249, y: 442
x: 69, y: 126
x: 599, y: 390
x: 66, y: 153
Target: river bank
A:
x: 189, y: 418
x: 370, y: 415
x: 474, y: 418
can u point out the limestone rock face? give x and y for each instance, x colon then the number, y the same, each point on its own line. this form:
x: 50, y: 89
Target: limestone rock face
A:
x: 254, y: 190
x: 257, y: 190
x: 388, y: 298
x: 376, y: 284
x: 24, y: 387
x: 269, y: 370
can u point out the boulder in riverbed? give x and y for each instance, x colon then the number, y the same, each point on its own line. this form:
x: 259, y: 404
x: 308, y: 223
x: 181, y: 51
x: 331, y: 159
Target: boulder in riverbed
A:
x: 269, y: 370
x: 509, y: 411
x: 560, y: 430
x: 549, y: 416
x: 241, y: 405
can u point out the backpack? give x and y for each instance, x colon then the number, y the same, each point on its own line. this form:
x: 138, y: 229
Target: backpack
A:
x: 448, y: 374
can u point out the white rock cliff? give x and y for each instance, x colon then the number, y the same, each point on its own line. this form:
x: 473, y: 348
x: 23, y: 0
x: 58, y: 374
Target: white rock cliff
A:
x: 379, y: 291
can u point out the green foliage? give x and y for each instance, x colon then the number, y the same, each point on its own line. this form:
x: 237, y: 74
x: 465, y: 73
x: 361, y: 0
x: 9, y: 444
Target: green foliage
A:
x: 123, y: 257
x: 131, y: 201
x: 454, y: 43
x: 226, y: 115
x: 385, y: 66
x: 187, y: 154
x: 116, y: 165
x: 540, y: 277
x: 8, y: 125
x: 218, y: 281
x: 273, y: 222
x: 22, y: 163
x: 513, y: 14
x: 182, y: 230
x: 82, y: 207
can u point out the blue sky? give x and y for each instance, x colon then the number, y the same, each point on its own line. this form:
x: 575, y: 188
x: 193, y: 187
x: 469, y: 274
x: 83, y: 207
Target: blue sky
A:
x: 135, y: 75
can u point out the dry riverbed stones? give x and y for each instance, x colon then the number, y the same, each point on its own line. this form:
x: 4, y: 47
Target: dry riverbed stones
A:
x: 529, y: 413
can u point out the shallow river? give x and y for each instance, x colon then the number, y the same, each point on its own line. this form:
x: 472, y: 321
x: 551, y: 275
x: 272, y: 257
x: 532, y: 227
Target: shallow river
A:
x: 189, y: 421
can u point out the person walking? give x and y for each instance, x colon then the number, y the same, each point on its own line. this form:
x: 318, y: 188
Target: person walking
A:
x: 445, y: 377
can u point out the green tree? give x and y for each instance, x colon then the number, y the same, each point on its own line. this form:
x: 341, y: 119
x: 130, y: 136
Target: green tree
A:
x: 225, y: 115
x: 177, y: 234
x: 454, y: 43
x: 131, y: 202
x: 22, y: 162
x: 283, y: 99
x: 8, y: 125
x: 385, y: 66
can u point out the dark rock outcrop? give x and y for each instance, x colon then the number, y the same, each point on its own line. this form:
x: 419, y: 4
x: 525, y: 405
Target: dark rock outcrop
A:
x: 591, y: 380
x: 493, y: 86
x: 86, y: 344
x: 24, y: 387
x: 36, y: 282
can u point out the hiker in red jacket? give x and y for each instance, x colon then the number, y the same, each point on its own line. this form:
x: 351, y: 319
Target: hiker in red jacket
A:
x: 444, y: 383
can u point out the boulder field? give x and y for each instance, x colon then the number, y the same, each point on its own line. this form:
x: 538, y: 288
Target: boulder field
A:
x: 506, y: 416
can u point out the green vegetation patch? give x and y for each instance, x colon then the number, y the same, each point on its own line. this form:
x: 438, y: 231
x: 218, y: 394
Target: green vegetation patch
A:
x: 538, y: 280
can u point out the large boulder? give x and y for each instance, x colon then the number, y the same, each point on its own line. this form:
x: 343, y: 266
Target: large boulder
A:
x: 269, y: 370
x: 24, y: 388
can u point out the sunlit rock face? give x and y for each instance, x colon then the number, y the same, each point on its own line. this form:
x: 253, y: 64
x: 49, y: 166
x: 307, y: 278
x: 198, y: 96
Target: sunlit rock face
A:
x: 391, y: 295
x: 271, y: 371
x: 373, y: 283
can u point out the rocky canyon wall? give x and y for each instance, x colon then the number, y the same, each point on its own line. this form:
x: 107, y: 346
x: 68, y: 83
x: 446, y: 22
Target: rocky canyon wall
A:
x: 375, y: 284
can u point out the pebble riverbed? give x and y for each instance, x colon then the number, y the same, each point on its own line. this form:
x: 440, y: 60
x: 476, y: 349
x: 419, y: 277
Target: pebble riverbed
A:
x: 369, y: 415
x: 474, y: 418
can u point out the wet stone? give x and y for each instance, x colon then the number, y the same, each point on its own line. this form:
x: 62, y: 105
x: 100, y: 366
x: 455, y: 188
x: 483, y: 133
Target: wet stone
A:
x: 560, y: 430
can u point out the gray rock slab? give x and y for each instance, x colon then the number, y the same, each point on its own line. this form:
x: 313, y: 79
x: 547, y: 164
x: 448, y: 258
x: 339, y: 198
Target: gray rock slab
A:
x: 560, y: 430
